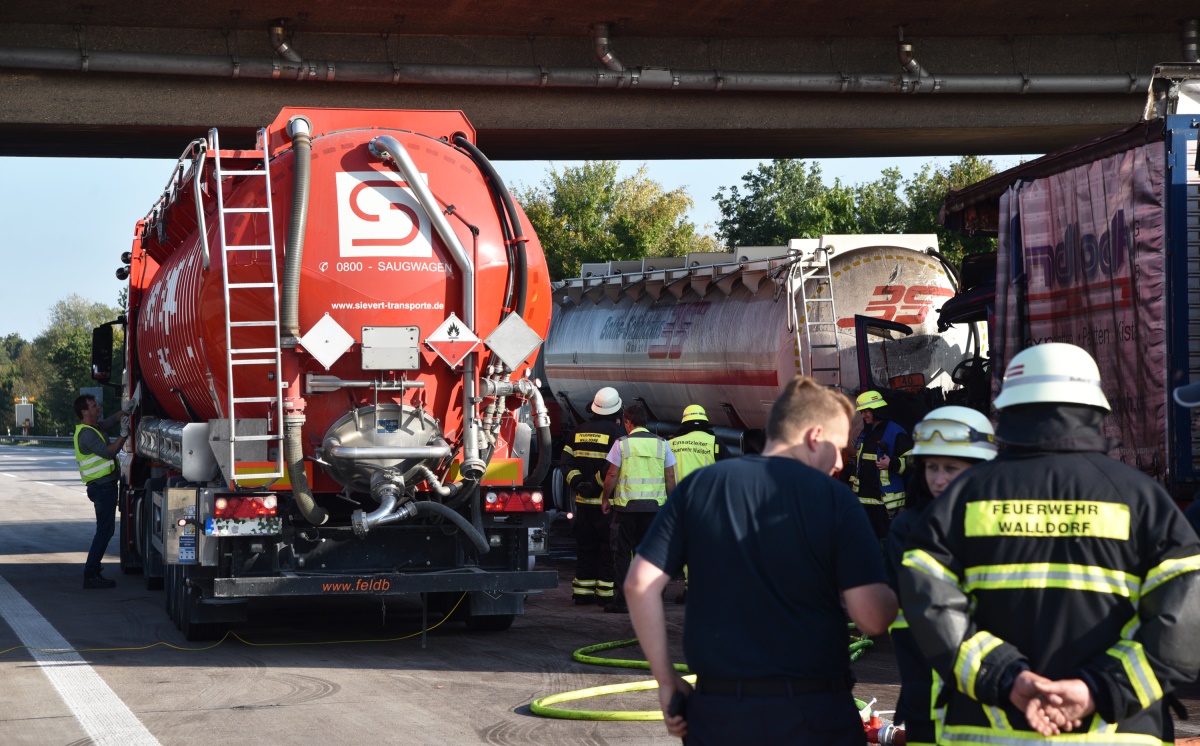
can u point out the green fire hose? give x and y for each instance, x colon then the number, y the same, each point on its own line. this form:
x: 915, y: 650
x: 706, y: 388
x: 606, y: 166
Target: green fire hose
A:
x: 542, y: 706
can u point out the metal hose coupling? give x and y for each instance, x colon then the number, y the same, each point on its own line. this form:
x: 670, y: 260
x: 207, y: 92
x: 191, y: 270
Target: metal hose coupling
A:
x: 387, y: 486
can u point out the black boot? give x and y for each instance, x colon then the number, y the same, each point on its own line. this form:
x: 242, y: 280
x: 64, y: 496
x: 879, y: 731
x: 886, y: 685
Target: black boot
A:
x: 96, y: 580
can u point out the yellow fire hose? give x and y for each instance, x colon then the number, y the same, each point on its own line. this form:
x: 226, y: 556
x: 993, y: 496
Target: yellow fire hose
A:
x: 542, y: 705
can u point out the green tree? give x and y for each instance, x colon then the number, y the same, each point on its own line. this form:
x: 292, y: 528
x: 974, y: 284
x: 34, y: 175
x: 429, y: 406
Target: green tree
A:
x: 10, y: 380
x: 788, y: 199
x: 879, y: 208
x: 59, y: 360
x: 586, y: 214
x: 925, y: 194
x: 781, y: 200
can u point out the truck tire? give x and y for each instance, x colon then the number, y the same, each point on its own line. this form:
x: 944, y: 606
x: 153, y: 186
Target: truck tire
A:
x: 171, y: 594
x: 152, y: 564
x: 131, y: 560
x: 185, y: 608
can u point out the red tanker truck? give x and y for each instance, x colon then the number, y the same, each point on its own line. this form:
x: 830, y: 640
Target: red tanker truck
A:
x: 329, y: 338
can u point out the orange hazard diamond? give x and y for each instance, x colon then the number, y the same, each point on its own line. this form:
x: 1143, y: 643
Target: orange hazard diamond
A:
x: 452, y: 341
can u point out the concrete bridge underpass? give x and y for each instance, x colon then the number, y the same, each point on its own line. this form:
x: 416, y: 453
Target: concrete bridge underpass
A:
x: 621, y: 79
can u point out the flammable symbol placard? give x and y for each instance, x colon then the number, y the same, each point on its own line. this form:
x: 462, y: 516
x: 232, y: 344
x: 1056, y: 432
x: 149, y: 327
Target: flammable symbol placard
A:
x: 452, y: 341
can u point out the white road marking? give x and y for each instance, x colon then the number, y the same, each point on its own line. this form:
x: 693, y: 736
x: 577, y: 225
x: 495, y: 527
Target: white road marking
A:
x: 98, y: 709
x: 14, y: 476
x: 47, y: 484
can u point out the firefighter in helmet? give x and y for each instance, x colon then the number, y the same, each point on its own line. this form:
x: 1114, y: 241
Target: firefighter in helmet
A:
x: 948, y: 441
x: 585, y: 457
x: 696, y: 446
x: 879, y: 469
x: 1054, y: 588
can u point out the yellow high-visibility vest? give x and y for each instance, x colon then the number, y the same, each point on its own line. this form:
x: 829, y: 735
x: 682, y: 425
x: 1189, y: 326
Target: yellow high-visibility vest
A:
x: 92, y: 467
x: 643, y: 465
x: 693, y: 451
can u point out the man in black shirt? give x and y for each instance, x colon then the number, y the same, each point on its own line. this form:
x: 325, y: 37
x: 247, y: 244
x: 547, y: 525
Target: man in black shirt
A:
x: 774, y: 546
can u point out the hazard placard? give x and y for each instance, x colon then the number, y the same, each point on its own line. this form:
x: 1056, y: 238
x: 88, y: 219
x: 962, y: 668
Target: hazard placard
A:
x: 452, y: 341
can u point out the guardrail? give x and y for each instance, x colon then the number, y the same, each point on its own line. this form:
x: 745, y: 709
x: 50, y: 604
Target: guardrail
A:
x: 37, y: 439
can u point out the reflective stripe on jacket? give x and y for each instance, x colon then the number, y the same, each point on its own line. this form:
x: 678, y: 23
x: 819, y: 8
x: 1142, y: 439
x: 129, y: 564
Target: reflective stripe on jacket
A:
x: 92, y: 467
x: 586, y: 457
x: 1071, y: 562
x: 641, y: 479
x: 693, y: 451
x: 879, y: 486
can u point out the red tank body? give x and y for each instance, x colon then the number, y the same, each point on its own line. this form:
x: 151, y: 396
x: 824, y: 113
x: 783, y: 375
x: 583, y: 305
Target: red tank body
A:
x: 352, y: 272
x: 331, y: 336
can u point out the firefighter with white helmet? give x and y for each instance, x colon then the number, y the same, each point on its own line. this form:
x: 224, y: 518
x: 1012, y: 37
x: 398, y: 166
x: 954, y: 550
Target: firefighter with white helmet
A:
x: 947, y: 442
x: 1054, y: 588
x: 879, y: 468
x: 585, y: 457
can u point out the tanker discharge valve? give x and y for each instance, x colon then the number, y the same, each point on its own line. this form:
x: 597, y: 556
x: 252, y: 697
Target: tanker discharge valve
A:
x: 387, y: 486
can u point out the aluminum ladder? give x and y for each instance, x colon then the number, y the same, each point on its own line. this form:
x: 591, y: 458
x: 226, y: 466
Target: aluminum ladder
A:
x: 818, y: 270
x: 246, y: 401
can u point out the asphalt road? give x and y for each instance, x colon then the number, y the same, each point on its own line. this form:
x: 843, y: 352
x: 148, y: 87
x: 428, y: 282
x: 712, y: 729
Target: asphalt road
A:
x: 332, y: 672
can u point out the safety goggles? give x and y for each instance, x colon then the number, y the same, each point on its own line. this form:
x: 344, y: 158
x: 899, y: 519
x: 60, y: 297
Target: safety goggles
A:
x: 950, y: 432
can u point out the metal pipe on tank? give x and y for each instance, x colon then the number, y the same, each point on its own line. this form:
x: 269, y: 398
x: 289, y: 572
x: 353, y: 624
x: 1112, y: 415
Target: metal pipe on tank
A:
x: 387, y: 147
x: 521, y: 270
x: 357, y: 453
x: 1191, y: 40
x: 268, y: 68
x: 300, y: 130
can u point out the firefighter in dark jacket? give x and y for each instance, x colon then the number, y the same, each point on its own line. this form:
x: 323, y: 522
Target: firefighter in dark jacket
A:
x: 878, y: 478
x: 947, y: 442
x: 1055, y: 588
x: 586, y: 464
x: 695, y: 447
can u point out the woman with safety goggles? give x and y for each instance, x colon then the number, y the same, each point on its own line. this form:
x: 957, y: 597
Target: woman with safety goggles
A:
x: 946, y: 443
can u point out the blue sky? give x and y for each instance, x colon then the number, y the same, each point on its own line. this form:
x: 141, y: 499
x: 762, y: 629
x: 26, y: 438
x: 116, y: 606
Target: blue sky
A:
x: 65, y: 222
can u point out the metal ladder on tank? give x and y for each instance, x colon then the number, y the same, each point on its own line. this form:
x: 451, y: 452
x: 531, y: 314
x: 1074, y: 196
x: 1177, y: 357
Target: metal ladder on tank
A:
x: 234, y: 289
x: 819, y: 271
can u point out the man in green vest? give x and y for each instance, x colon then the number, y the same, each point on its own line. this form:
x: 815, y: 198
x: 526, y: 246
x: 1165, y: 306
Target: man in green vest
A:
x: 100, y: 473
x: 696, y: 446
x: 642, y: 476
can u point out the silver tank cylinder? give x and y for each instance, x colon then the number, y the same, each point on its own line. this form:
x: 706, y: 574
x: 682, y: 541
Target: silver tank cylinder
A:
x: 728, y: 331
x: 387, y: 436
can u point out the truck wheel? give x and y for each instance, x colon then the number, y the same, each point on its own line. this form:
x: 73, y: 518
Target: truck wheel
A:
x: 490, y: 623
x: 152, y: 564
x: 171, y: 594
x: 131, y: 562
x: 189, y: 609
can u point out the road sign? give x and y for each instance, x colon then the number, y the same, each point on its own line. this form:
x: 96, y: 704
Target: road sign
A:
x: 452, y: 341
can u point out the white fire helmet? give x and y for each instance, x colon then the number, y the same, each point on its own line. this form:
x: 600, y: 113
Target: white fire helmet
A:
x: 607, y: 401
x: 1052, y: 373
x: 958, y: 432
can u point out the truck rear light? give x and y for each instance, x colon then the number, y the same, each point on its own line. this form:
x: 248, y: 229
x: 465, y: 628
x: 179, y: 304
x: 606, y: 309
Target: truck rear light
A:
x: 517, y: 501
x: 244, y: 507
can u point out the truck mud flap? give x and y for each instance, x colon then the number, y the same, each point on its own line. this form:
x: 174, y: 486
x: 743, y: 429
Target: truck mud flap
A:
x: 387, y: 584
